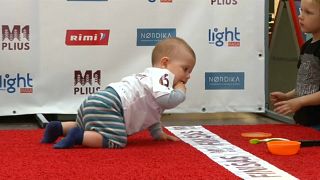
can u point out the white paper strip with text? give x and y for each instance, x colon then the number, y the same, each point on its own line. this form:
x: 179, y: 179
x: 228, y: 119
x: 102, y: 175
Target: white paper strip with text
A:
x: 236, y: 160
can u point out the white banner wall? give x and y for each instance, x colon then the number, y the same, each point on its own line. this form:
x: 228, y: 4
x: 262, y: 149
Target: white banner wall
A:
x: 77, y: 47
x: 19, y: 56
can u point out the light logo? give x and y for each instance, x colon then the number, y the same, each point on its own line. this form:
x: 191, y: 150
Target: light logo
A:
x: 226, y: 37
x: 10, y: 83
x: 150, y: 37
x: 88, y: 82
x: 18, y: 38
x: 87, y: 37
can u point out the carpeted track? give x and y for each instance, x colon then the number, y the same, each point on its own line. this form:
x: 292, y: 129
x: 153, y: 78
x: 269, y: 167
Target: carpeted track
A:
x: 23, y: 157
x: 304, y: 165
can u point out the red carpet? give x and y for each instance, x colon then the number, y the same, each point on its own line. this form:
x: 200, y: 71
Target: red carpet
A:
x: 23, y: 157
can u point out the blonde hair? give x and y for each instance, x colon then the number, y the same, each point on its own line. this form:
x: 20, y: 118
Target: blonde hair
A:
x: 316, y: 1
x: 168, y: 47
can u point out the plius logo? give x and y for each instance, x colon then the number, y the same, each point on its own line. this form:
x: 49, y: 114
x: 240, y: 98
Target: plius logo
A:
x: 86, y: 82
x: 223, y: 2
x: 162, y: 1
x: 15, y: 39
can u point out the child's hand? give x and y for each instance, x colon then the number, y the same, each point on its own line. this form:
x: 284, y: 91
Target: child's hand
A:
x: 166, y: 137
x: 277, y: 97
x: 287, y: 107
x: 180, y: 85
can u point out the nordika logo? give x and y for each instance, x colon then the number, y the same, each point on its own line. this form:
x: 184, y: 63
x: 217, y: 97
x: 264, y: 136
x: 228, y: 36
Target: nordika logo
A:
x: 219, y: 38
x: 16, y: 39
x: 87, y: 83
x: 150, y: 37
x: 224, y: 80
x: 11, y: 83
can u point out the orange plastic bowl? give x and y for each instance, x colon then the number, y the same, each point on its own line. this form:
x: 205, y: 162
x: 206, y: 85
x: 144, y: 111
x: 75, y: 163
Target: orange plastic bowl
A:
x: 284, y: 147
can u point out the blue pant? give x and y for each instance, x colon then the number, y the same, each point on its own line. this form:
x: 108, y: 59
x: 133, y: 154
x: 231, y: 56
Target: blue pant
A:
x: 102, y: 112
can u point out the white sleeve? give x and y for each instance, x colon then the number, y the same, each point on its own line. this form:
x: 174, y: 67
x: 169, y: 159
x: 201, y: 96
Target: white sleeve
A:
x: 162, y: 82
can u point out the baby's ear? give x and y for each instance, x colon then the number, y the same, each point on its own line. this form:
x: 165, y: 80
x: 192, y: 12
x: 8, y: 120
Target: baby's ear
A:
x: 164, y: 62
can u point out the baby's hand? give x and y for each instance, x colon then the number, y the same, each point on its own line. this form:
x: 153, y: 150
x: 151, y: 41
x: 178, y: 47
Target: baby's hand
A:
x: 166, y: 137
x: 180, y: 85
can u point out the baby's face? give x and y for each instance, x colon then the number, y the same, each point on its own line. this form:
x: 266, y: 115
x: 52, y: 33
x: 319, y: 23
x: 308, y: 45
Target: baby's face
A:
x: 181, y: 65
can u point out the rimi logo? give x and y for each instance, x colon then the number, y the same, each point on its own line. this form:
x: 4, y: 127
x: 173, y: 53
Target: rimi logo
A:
x: 87, y: 37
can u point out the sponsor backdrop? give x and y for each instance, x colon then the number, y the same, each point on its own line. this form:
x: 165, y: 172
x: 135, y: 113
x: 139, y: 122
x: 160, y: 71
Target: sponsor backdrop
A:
x: 56, y: 52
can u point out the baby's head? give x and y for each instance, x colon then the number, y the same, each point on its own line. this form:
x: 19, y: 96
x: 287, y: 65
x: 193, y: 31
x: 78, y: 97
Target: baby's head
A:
x: 317, y: 2
x: 175, y: 55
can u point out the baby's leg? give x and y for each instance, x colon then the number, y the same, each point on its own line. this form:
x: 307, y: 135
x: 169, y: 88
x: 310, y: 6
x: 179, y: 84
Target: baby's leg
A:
x: 66, y: 126
x: 52, y: 132
x: 55, y: 129
x: 92, y: 139
x: 77, y: 136
x: 73, y: 137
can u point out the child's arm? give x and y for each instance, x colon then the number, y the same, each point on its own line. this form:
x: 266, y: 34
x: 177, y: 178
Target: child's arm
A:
x: 158, y: 134
x: 293, y: 105
x: 155, y: 130
x: 310, y: 100
x: 280, y: 96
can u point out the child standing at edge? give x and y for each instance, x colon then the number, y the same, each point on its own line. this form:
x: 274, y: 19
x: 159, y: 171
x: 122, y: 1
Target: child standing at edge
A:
x: 304, y: 100
x: 135, y: 103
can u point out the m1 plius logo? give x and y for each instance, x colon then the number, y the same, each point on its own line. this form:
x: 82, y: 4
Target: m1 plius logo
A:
x: 87, y: 37
x: 87, y: 82
x: 17, y: 38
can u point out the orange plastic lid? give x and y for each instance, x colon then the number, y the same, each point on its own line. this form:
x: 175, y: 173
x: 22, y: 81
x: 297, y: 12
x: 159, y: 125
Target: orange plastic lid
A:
x: 256, y: 134
x: 284, y: 147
